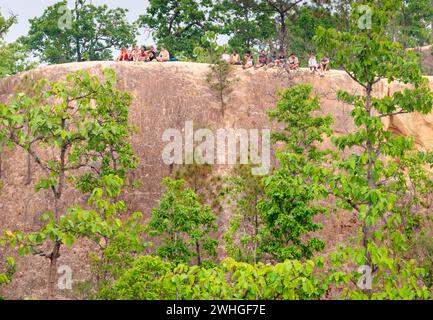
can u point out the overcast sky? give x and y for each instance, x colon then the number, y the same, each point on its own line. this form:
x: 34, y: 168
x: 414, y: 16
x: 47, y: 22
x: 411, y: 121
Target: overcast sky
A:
x: 27, y: 9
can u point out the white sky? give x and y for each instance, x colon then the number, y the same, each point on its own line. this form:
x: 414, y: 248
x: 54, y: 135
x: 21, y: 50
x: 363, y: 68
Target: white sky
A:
x: 27, y: 9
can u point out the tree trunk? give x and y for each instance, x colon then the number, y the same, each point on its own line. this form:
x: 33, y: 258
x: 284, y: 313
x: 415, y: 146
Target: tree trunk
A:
x: 222, y: 102
x: 283, y: 34
x: 77, y: 38
x: 371, y: 185
x: 197, y: 246
x: 29, y: 169
x: 55, y: 254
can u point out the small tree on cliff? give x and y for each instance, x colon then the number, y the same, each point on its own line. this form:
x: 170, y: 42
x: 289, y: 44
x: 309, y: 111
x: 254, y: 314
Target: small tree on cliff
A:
x: 373, y: 181
x: 83, y: 124
x: 183, y: 223
x: 220, y: 81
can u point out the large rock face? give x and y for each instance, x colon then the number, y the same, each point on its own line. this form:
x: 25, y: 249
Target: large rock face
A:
x: 166, y: 96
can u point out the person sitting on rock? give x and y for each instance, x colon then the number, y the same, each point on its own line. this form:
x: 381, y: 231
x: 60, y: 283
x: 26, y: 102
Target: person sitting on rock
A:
x: 324, y: 65
x: 151, y: 56
x: 134, y: 54
x: 143, y: 54
x: 164, y: 55
x: 281, y: 58
x: 124, y: 55
x: 312, y: 63
x: 249, y: 61
x: 263, y: 59
x: 235, y: 59
x: 293, y: 62
x: 225, y: 57
x: 272, y: 59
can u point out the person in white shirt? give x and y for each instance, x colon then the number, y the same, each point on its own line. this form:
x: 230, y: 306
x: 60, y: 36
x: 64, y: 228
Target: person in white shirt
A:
x: 249, y: 61
x: 312, y: 63
x: 225, y: 57
x: 164, y: 55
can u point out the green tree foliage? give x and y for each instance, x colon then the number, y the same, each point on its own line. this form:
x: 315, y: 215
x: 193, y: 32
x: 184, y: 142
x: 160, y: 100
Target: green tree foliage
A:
x: 177, y: 25
x: 247, y: 23
x: 87, y: 32
x: 6, y: 277
x: 242, y: 238
x: 371, y: 181
x: 202, y: 180
x: 85, y: 128
x: 13, y: 56
x: 302, y: 27
x: 410, y: 25
x: 153, y: 279
x: 209, y: 50
x: 292, y: 192
x: 117, y: 255
x: 183, y: 224
x: 281, y: 10
x: 5, y: 24
x: 104, y: 225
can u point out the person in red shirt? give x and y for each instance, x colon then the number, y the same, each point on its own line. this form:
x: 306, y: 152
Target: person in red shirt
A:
x: 124, y: 55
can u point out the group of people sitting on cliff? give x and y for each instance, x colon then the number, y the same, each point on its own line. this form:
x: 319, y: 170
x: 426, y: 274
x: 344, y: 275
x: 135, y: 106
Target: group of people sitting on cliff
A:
x: 143, y: 54
x: 264, y: 60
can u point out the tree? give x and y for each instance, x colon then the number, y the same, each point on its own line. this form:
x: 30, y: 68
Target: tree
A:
x: 5, y: 24
x: 177, y: 25
x: 209, y: 51
x: 220, y: 80
x: 292, y: 192
x: 183, y: 223
x: 247, y: 23
x: 87, y: 32
x: 13, y: 56
x: 13, y: 59
x: 201, y: 179
x: 371, y: 180
x: 242, y: 238
x: 85, y: 128
x: 410, y: 25
x: 282, y: 9
x: 302, y: 27
x: 103, y: 225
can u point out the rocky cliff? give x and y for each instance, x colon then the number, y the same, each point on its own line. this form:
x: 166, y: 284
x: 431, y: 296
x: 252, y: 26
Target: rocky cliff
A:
x: 167, y: 96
